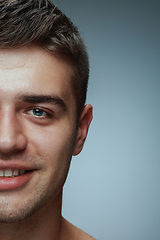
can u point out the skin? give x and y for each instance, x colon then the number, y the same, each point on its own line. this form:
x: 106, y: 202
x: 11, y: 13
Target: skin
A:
x: 38, y: 131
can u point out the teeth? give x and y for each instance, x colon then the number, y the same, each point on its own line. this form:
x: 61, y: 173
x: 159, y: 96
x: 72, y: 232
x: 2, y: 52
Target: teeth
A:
x: 8, y: 173
x: 1, y: 173
x: 22, y: 172
x: 15, y: 172
x: 11, y: 173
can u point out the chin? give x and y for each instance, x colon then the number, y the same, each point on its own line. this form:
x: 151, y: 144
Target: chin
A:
x: 17, y: 213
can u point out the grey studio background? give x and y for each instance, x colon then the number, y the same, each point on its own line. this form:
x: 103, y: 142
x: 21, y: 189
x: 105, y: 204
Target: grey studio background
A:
x: 113, y: 188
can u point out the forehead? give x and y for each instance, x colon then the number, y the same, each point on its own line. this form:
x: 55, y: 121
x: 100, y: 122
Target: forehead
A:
x: 34, y: 69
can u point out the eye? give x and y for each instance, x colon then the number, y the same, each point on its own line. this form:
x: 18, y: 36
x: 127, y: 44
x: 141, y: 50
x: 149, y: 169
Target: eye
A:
x: 38, y: 112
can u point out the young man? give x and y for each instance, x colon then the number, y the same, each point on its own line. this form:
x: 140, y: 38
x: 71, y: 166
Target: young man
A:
x: 43, y: 119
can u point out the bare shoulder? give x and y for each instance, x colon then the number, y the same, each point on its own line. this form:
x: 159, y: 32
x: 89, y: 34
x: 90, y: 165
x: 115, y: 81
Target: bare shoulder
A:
x: 70, y: 232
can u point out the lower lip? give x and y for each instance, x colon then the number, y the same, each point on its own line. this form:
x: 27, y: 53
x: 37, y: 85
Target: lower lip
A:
x: 9, y: 183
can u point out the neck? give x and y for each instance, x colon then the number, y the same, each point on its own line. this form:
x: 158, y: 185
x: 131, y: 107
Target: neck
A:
x: 45, y: 224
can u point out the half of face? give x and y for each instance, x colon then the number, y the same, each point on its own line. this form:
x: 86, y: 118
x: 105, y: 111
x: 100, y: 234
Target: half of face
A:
x: 38, y: 132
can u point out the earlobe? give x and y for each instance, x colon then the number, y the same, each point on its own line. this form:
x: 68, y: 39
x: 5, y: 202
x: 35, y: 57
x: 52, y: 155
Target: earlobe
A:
x: 83, y: 126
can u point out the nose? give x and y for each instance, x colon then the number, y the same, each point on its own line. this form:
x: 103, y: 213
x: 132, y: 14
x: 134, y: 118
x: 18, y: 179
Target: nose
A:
x: 12, y: 137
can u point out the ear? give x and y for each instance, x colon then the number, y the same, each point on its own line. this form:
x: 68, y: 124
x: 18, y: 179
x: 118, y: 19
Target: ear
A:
x: 83, y: 126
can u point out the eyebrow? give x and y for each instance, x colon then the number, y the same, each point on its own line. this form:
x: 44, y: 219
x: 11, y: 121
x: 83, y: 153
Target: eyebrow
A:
x: 34, y: 98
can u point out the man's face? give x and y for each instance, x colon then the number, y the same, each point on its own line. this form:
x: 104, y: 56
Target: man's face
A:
x: 37, y: 130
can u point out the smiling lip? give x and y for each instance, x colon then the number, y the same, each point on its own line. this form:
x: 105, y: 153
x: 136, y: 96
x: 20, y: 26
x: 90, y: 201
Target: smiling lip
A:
x: 14, y: 175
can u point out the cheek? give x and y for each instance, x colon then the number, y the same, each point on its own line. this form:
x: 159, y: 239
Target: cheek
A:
x: 54, y: 145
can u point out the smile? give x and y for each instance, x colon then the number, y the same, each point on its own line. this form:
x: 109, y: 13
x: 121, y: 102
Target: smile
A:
x: 11, y: 172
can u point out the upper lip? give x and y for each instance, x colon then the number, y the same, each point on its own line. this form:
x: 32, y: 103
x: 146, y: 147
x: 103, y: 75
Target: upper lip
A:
x: 14, y: 165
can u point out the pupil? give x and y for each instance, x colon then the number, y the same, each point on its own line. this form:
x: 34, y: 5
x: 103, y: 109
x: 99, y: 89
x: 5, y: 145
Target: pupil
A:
x: 38, y: 112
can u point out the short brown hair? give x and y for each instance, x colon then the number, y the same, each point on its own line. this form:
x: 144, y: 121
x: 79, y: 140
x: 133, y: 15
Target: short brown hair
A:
x: 40, y: 22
